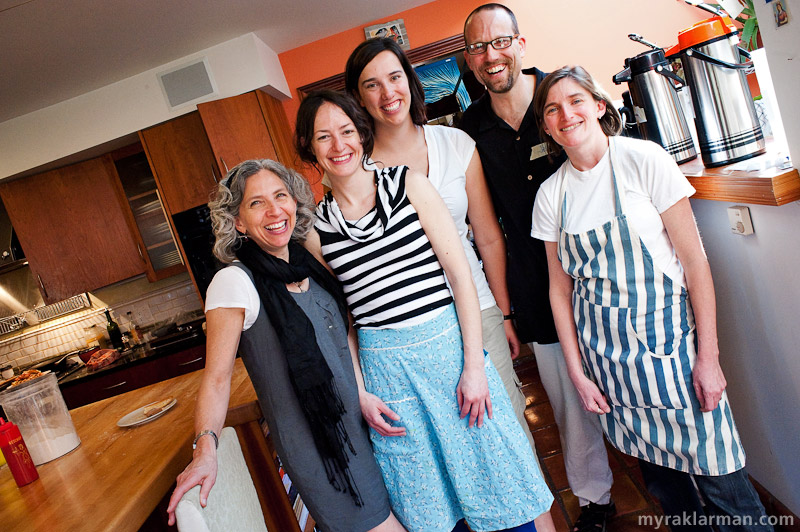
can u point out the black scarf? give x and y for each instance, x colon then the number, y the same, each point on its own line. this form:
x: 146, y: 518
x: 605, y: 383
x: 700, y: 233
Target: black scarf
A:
x: 309, y: 374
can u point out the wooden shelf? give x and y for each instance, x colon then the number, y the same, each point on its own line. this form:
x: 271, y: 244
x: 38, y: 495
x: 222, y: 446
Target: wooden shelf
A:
x: 772, y: 186
x: 153, y: 192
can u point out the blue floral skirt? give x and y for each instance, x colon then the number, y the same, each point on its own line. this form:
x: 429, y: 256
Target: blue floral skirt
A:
x: 442, y: 470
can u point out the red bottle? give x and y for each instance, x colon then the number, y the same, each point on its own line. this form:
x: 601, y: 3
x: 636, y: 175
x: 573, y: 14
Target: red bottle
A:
x: 16, y: 453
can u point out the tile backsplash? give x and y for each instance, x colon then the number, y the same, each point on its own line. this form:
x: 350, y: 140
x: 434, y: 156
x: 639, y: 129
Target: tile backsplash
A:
x: 65, y: 334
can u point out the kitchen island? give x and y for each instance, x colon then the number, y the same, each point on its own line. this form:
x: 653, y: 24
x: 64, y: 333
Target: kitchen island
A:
x: 117, y: 476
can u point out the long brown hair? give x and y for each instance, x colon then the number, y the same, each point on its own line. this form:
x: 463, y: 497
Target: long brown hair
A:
x: 365, y: 53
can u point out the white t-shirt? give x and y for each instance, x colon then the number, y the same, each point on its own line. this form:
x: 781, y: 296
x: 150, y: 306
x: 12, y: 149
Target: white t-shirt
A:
x: 449, y: 152
x: 232, y: 288
x: 653, y: 183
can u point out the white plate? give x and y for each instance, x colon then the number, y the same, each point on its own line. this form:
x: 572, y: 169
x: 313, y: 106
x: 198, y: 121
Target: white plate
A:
x: 137, y: 417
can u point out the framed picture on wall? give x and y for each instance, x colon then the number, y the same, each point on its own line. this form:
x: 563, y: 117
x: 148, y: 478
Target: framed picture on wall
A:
x: 444, y: 91
x: 394, y: 29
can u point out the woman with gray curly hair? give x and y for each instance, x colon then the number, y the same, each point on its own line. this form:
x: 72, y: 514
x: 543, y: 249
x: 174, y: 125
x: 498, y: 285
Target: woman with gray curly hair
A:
x: 286, y: 313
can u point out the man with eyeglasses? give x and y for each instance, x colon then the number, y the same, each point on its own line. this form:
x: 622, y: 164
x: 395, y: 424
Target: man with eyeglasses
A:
x: 515, y: 163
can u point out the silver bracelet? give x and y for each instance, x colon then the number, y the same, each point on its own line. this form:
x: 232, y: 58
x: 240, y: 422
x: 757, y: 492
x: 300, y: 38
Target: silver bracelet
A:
x: 204, y: 433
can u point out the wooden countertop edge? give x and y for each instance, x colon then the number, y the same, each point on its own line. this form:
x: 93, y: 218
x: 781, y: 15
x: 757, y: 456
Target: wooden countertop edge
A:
x: 772, y: 187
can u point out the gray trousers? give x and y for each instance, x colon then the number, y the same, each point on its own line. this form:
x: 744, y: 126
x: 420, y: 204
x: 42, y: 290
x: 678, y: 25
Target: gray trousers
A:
x: 496, y: 344
x: 585, y: 456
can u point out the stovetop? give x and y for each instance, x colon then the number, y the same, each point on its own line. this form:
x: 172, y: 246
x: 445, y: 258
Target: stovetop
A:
x: 62, y: 365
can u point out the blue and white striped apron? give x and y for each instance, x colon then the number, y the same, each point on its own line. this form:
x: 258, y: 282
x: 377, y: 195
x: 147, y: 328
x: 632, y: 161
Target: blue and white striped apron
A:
x: 636, y: 334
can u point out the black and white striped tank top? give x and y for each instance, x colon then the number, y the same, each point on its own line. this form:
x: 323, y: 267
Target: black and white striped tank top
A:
x: 390, y: 274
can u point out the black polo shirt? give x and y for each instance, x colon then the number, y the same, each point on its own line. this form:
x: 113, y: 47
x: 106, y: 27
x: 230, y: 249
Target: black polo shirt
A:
x: 515, y: 165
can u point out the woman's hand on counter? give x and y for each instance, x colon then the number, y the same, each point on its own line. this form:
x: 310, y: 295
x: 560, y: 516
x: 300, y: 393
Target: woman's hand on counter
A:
x: 202, y: 471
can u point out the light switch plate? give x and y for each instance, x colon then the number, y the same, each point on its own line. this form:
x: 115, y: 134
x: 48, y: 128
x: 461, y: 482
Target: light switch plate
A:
x: 739, y: 217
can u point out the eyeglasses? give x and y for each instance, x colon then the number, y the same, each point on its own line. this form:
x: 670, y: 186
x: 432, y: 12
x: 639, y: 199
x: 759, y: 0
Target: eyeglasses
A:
x: 499, y: 43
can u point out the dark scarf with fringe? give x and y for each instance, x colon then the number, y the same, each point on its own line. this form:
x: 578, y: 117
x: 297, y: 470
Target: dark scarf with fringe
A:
x: 310, y: 375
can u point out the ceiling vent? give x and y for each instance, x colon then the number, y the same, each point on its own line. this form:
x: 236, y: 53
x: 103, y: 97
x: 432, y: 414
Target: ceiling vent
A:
x: 188, y: 83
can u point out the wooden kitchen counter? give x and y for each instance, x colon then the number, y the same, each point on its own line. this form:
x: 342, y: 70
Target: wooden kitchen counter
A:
x: 115, y: 478
x: 772, y: 186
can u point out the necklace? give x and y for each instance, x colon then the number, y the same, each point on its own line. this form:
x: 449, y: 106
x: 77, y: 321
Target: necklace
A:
x: 299, y: 285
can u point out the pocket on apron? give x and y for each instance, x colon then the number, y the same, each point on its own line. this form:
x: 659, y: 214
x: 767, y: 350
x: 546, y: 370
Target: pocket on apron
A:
x: 629, y: 374
x: 658, y: 332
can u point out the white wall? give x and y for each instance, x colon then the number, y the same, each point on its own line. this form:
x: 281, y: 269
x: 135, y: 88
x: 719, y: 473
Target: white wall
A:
x: 758, y: 295
x: 782, y: 45
x: 758, y: 307
x: 122, y: 108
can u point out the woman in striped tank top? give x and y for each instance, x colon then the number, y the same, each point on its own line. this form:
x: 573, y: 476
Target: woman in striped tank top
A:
x: 443, y: 429
x: 633, y: 302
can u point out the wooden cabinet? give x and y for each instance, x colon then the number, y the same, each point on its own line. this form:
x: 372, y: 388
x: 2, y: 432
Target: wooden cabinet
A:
x: 155, y: 233
x: 132, y: 376
x: 108, y: 384
x: 280, y: 132
x: 237, y: 130
x: 182, y: 162
x: 75, y: 227
x: 191, y: 153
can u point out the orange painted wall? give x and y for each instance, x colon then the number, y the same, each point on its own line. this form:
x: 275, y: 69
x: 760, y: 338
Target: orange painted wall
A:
x: 592, y: 33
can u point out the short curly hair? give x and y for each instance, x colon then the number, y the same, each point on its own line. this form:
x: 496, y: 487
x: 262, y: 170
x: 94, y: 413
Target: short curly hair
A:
x: 228, y: 198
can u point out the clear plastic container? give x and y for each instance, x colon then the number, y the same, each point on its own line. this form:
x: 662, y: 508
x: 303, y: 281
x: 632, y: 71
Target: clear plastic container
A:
x: 95, y: 336
x: 38, y: 408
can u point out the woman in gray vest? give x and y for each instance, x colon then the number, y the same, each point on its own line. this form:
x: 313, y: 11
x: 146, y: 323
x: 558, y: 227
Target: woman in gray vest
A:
x: 286, y: 314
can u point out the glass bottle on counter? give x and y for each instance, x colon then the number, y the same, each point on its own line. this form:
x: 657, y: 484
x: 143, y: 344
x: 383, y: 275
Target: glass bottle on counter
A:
x: 114, y: 334
x: 133, y: 330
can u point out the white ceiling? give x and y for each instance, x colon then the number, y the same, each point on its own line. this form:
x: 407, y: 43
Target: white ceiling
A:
x: 53, y: 50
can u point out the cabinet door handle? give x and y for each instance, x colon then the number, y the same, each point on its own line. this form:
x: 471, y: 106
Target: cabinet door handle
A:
x: 225, y: 166
x: 214, y: 174
x: 191, y: 361
x: 115, y: 385
x: 139, y: 248
x: 176, y: 341
x: 42, y: 285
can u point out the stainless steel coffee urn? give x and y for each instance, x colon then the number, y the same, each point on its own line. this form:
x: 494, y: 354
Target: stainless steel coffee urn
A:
x: 727, y: 125
x: 656, y: 107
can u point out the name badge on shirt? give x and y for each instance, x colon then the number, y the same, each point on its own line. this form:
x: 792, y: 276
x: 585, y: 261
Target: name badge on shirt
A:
x: 540, y: 150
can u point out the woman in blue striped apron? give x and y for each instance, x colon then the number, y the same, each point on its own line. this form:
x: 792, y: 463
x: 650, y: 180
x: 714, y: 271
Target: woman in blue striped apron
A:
x: 625, y: 256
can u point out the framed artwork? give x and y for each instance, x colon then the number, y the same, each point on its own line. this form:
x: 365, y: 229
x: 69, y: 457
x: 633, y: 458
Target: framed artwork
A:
x: 394, y: 29
x: 442, y: 79
x: 781, y: 15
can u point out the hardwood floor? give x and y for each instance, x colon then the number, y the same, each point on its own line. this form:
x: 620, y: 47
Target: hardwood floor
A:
x: 635, y: 507
x: 628, y: 492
